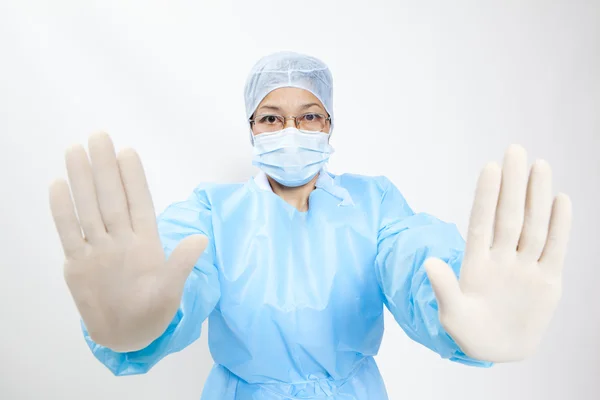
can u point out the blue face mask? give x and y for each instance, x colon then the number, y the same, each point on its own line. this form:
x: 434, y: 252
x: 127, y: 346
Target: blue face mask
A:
x: 290, y: 156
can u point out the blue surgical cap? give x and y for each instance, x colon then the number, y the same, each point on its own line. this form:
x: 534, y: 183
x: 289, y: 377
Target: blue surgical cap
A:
x: 289, y: 69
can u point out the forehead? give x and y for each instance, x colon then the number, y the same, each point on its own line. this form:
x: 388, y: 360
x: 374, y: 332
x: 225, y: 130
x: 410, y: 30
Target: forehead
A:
x: 289, y: 97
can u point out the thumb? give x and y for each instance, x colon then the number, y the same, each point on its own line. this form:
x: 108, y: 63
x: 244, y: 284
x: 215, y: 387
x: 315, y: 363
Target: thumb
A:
x: 444, y: 283
x: 185, y: 256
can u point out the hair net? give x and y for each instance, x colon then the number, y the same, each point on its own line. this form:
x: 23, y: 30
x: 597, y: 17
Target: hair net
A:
x: 289, y: 69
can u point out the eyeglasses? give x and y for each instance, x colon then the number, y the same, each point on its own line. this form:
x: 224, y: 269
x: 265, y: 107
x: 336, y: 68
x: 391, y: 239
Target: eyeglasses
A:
x: 271, y: 122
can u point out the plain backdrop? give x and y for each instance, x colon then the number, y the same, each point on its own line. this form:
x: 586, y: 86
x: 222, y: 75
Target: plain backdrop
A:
x: 425, y: 93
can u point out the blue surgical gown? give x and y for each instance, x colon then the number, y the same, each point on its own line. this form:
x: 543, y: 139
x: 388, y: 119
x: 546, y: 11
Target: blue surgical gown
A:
x: 294, y: 300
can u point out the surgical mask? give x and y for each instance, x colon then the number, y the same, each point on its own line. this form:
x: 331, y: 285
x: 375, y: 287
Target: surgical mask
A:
x: 292, y: 157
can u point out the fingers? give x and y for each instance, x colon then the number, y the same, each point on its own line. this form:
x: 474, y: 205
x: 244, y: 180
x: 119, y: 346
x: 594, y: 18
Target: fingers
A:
x: 444, y: 283
x: 481, y: 224
x: 554, y: 252
x: 84, y: 192
x: 65, y: 218
x: 538, y: 207
x: 109, y: 188
x: 141, y: 209
x: 511, y: 202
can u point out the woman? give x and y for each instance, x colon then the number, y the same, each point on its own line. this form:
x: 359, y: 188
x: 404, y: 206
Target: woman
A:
x: 293, y: 268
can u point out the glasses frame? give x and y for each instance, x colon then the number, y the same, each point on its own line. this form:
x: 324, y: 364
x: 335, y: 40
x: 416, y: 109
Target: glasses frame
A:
x: 294, y: 117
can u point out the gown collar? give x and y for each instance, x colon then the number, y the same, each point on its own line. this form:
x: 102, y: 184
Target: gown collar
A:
x: 325, y: 181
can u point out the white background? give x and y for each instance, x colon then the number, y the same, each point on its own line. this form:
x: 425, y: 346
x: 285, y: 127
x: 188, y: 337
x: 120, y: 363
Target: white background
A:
x: 425, y: 93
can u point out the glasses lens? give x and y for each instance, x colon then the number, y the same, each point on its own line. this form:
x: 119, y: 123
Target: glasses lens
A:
x: 312, y: 122
x: 268, y: 123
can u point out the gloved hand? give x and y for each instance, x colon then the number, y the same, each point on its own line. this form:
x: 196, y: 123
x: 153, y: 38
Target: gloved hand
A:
x: 510, y: 279
x: 124, y: 289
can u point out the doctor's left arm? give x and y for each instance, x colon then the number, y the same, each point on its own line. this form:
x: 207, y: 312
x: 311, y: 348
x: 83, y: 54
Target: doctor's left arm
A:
x: 405, y: 241
x: 201, y: 292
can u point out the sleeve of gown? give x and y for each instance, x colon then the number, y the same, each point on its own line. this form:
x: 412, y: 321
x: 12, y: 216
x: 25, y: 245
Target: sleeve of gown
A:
x: 405, y: 241
x: 201, y: 292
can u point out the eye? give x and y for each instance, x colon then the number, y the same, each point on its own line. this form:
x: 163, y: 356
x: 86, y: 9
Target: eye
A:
x: 268, y: 119
x: 312, y: 117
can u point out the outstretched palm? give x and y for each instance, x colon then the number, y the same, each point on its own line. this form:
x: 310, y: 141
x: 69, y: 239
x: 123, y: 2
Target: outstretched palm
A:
x: 510, y: 280
x: 115, y: 267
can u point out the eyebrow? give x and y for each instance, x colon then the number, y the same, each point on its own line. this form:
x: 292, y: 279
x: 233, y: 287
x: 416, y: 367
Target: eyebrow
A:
x: 270, y: 107
x: 303, y: 107
x: 309, y: 105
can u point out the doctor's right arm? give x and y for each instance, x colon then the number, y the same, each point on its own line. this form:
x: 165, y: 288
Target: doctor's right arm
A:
x: 142, y: 288
x: 200, y: 295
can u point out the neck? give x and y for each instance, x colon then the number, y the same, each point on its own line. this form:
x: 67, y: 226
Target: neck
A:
x: 297, y: 197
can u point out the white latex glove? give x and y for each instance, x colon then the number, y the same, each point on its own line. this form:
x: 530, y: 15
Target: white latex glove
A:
x: 510, y: 279
x: 115, y: 267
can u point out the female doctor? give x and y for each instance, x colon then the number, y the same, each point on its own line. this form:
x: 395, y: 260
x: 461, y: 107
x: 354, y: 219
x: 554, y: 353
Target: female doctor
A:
x: 293, y: 268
